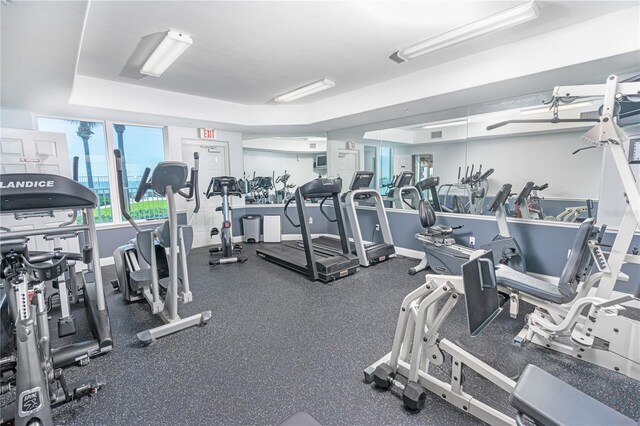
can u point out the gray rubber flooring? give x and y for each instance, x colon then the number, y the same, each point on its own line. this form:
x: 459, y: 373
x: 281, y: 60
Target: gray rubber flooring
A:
x: 278, y: 343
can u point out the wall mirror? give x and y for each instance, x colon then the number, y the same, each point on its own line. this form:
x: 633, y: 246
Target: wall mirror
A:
x: 460, y: 158
x: 274, y: 166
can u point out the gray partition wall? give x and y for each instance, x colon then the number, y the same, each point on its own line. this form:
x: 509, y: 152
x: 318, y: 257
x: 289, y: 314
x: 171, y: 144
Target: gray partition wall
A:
x: 545, y: 244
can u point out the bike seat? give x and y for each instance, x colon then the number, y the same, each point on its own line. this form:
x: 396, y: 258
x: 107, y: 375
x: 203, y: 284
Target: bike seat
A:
x: 439, y: 231
x: 548, y: 400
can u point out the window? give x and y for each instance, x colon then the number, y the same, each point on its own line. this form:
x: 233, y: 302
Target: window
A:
x: 86, y: 140
x: 140, y: 147
x: 386, y: 170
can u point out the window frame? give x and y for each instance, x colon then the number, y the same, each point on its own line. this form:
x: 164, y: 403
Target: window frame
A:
x: 110, y: 144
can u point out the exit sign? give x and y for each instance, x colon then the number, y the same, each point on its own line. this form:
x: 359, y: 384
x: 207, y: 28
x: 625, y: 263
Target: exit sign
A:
x: 207, y: 133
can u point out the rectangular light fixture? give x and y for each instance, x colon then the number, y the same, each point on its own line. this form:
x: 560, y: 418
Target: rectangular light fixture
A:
x: 560, y: 108
x: 170, y: 48
x: 500, y: 21
x: 445, y: 124
x: 310, y: 89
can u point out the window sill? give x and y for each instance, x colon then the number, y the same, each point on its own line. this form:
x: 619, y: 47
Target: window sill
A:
x: 101, y: 226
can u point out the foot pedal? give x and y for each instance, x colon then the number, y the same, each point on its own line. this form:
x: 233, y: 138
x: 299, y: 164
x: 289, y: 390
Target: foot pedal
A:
x: 214, y: 231
x: 66, y: 326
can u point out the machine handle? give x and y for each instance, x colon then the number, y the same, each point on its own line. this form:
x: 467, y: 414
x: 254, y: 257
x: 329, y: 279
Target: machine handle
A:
x: 76, y: 160
x: 193, y: 183
x: 324, y: 213
x: 486, y: 174
x: 142, y: 188
x: 489, y: 264
x: 120, y: 181
x: 286, y: 214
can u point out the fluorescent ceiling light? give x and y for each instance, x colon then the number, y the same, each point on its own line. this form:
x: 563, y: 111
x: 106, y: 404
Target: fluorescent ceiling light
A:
x: 316, y: 87
x: 560, y: 108
x: 170, y: 48
x: 500, y: 21
x: 446, y: 124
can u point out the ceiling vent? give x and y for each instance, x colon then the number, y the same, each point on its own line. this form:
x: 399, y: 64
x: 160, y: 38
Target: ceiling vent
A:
x: 312, y: 146
x: 436, y: 135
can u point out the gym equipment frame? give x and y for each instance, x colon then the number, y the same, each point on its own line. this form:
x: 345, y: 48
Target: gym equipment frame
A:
x: 602, y: 337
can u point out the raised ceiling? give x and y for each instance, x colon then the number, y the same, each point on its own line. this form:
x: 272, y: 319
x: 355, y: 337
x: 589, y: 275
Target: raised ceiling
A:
x: 250, y: 52
x: 81, y: 59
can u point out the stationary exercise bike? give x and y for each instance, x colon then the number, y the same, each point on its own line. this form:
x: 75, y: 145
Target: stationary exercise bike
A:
x: 225, y: 187
x: 444, y: 256
x: 142, y: 267
x: 33, y: 371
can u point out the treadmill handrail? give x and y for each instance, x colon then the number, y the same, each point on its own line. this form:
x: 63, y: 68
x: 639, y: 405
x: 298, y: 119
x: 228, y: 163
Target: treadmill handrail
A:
x: 324, y: 213
x: 120, y: 181
x: 286, y: 214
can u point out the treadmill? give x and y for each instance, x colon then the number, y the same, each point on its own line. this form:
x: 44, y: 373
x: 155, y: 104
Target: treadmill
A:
x: 305, y: 260
x: 368, y: 253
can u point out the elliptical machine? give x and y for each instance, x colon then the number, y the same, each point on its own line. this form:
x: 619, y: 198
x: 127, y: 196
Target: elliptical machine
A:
x: 444, y: 256
x: 142, y: 263
x: 225, y: 187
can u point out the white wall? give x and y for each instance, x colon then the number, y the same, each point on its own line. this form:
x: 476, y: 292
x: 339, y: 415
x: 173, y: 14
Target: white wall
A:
x: 264, y: 163
x: 16, y: 119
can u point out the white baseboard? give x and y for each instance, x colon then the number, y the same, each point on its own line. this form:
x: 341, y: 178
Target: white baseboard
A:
x: 410, y: 253
x: 106, y: 261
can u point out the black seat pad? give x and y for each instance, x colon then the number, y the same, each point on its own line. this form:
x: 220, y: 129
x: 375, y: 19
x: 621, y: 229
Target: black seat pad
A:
x: 549, y: 401
x: 439, y: 230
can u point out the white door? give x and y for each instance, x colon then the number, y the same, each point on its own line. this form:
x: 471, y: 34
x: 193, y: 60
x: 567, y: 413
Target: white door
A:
x: 213, y: 162
x: 348, y: 163
x: 29, y: 151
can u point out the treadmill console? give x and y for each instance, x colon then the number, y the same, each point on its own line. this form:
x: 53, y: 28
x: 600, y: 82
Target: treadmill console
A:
x: 404, y: 179
x: 361, y: 180
x: 321, y: 187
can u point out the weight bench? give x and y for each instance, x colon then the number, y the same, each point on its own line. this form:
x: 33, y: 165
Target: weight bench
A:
x: 549, y: 401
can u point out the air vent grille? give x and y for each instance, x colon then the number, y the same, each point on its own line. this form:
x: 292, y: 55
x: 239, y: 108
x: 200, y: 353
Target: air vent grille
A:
x: 436, y: 135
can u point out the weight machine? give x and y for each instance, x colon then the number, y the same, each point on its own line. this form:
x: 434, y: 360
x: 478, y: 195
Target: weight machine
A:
x: 603, y: 336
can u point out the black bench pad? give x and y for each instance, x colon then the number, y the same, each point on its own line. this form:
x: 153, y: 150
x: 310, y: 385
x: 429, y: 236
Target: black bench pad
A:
x: 549, y: 401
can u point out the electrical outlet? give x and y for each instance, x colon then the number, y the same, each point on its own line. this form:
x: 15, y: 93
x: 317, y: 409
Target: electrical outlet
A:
x: 472, y: 242
x: 310, y: 221
x: 377, y: 226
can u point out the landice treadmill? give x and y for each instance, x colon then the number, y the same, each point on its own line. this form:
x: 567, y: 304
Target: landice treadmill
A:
x: 317, y: 266
x: 368, y: 253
